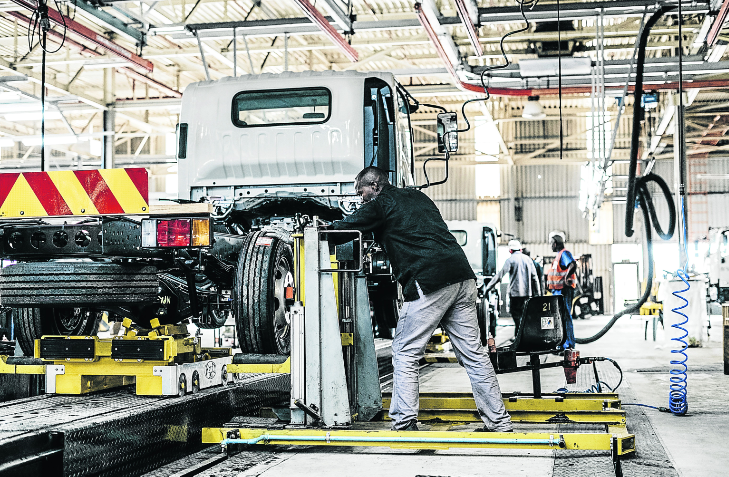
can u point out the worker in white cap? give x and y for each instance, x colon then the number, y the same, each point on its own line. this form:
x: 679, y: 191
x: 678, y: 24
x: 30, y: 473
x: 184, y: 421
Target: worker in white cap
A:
x: 523, y: 281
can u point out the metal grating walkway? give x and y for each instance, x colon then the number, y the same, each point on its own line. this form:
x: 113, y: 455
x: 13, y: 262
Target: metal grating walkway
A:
x: 118, y: 433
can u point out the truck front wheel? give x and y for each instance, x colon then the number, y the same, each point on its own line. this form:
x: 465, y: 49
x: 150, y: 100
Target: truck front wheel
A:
x: 265, y: 269
x: 32, y: 323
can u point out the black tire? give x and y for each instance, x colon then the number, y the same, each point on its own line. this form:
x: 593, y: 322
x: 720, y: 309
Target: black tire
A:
x: 580, y: 311
x: 77, y: 284
x: 32, y: 323
x: 265, y: 268
x: 482, y: 315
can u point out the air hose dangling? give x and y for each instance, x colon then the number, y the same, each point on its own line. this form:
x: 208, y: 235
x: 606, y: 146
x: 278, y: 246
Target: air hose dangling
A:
x: 638, y: 193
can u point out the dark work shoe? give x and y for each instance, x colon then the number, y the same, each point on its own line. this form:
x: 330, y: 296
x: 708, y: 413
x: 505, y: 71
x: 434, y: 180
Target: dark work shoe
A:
x: 486, y: 429
x: 412, y: 426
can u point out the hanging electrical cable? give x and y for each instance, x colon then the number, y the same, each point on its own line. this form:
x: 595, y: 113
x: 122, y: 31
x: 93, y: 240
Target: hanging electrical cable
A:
x: 39, y: 26
x: 522, y: 4
x: 559, y: 79
x: 638, y: 193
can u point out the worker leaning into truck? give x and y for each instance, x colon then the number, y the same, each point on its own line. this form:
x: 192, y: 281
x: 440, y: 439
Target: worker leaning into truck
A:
x: 561, y: 280
x: 523, y: 281
x: 439, y: 288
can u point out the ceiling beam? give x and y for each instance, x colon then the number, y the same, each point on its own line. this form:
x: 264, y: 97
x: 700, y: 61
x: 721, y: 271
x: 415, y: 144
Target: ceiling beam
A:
x: 718, y: 24
x: 55, y: 86
x: 323, y: 24
x: 340, y: 17
x: 468, y: 11
x: 130, y: 72
x: 112, y: 22
x: 580, y: 10
x: 96, y: 39
x: 491, y: 16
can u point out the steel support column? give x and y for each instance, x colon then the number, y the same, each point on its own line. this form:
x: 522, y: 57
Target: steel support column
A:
x: 107, y: 150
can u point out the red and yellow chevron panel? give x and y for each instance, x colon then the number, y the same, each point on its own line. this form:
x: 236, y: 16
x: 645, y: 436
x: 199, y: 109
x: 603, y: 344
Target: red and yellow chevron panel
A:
x: 89, y: 192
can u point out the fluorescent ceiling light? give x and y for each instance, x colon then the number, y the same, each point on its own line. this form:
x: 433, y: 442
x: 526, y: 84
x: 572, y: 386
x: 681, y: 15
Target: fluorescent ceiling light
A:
x: 95, y: 147
x: 6, y: 142
x: 50, y: 140
x: 106, y: 64
x: 550, y: 67
x: 20, y: 107
x: 712, y: 176
x: 701, y: 37
x: 32, y: 116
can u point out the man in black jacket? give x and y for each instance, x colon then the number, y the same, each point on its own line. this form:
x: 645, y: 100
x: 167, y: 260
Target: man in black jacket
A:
x: 439, y: 289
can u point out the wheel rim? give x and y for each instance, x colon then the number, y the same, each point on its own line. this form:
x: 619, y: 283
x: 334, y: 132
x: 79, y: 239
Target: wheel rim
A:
x: 282, y: 278
x: 68, y: 321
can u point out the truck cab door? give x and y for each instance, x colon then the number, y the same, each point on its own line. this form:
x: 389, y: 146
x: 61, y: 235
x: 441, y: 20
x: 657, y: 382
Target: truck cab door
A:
x: 405, y: 158
x: 379, y: 128
x: 488, y: 251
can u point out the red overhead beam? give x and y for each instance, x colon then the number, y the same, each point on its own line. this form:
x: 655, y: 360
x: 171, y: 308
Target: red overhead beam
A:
x: 91, y: 36
x: 707, y: 84
x: 718, y: 24
x: 151, y: 82
x: 58, y: 36
x: 470, y: 27
x: 423, y: 19
x: 324, y: 25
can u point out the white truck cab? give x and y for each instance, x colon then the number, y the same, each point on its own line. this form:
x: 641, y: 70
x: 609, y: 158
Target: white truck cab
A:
x: 292, y: 141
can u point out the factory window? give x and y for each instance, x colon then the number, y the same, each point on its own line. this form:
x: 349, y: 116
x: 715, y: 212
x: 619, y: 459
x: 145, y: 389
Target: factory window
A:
x: 280, y: 107
x: 461, y: 236
x: 488, y: 176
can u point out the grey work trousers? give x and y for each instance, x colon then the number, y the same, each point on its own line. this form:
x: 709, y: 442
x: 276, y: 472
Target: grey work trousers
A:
x: 454, y: 308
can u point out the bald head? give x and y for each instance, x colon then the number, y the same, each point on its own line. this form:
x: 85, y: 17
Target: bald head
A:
x: 557, y: 243
x: 369, y: 182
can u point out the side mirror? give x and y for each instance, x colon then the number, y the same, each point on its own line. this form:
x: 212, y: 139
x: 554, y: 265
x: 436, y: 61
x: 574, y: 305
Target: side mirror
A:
x: 182, y: 141
x: 447, y: 132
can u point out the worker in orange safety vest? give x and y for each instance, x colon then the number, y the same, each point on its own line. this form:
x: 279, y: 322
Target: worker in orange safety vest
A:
x: 561, y: 280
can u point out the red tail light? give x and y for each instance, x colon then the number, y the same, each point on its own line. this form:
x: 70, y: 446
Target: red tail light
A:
x: 173, y: 233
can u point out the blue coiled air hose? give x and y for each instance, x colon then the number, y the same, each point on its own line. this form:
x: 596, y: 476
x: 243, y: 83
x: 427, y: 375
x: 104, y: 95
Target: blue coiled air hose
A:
x: 678, y: 399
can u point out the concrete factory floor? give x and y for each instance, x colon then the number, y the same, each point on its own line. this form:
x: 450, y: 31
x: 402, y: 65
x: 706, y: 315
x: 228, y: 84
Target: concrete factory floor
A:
x: 691, y: 446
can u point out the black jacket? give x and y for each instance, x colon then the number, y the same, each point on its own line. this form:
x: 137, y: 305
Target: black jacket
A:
x: 410, y: 228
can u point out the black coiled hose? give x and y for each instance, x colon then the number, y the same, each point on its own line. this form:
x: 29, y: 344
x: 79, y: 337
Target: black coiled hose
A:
x: 638, y: 117
x: 638, y: 187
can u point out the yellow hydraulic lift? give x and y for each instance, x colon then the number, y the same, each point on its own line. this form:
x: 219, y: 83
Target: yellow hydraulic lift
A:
x: 166, y: 361
x: 330, y: 407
